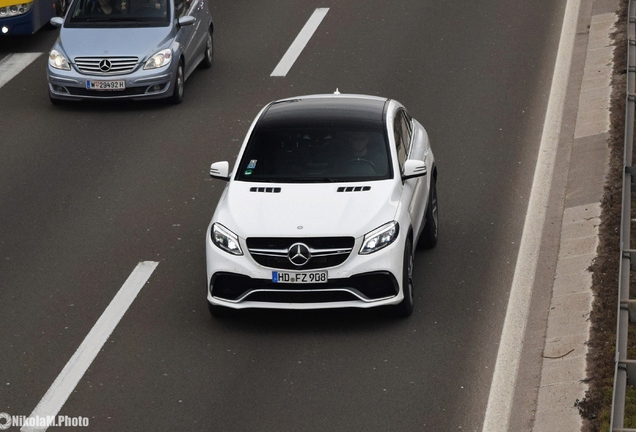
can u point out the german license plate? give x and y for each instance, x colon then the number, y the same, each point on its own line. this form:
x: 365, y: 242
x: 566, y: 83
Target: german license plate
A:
x: 299, y: 278
x: 106, y: 85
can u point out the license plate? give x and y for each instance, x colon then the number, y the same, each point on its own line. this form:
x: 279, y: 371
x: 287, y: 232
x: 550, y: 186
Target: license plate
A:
x: 106, y: 85
x: 299, y: 278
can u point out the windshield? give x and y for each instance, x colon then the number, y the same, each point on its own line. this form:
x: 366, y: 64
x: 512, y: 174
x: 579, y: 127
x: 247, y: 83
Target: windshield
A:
x: 108, y: 13
x: 315, y: 155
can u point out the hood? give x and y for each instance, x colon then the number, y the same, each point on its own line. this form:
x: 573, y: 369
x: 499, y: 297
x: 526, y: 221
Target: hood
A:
x: 306, y: 210
x: 138, y: 42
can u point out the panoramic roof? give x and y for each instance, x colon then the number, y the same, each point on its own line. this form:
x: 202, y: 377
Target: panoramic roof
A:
x: 324, y: 111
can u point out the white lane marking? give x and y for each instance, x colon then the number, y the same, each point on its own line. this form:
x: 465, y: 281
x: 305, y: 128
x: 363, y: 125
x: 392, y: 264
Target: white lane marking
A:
x: 13, y: 64
x: 504, y: 380
x: 300, y: 42
x: 60, y: 390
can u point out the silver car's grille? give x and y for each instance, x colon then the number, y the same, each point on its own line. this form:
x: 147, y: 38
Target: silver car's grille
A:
x: 106, y: 65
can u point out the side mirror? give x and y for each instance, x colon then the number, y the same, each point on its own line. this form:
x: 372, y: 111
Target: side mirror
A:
x: 414, y: 168
x: 220, y: 170
x: 186, y: 20
x: 57, y: 21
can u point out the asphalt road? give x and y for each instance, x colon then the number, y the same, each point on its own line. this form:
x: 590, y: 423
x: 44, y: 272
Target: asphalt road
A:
x: 89, y: 190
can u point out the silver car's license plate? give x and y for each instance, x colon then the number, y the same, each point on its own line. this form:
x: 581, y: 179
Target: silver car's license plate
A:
x: 106, y: 85
x: 299, y: 277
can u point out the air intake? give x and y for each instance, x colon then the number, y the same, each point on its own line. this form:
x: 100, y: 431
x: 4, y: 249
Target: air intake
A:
x: 265, y: 189
x: 354, y: 189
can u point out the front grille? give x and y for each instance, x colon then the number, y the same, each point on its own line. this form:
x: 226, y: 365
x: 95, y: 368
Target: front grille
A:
x: 325, y: 251
x: 106, y: 65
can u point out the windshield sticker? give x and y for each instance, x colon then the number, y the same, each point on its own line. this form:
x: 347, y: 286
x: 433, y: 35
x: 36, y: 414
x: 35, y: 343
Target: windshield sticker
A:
x: 248, y: 172
x: 252, y: 164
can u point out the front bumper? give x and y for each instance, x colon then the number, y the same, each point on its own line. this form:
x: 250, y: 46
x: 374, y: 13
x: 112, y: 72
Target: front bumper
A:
x: 361, y: 281
x: 140, y: 84
x: 18, y: 25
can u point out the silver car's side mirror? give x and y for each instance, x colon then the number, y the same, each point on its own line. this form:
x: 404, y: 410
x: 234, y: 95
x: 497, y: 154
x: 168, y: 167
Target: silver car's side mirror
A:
x: 220, y: 170
x: 414, y: 168
x: 186, y: 20
x: 57, y: 21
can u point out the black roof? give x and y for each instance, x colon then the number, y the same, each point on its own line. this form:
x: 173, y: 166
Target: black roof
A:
x: 323, y: 112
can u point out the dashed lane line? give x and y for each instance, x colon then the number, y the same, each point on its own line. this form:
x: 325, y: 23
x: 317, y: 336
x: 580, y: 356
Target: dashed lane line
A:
x: 13, y: 64
x: 67, y: 380
x: 299, y: 43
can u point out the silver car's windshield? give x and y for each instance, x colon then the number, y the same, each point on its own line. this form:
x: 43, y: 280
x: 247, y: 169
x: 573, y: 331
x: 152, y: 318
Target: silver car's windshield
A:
x: 107, y: 13
x: 329, y: 154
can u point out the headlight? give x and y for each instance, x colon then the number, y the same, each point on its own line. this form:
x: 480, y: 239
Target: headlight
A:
x: 225, y: 239
x: 380, y: 238
x: 58, y: 61
x: 15, y: 10
x: 160, y: 59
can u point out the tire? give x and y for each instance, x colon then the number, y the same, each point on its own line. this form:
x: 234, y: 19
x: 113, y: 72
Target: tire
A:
x: 430, y: 234
x: 220, y: 311
x: 178, y: 86
x: 208, y: 55
x: 405, y: 307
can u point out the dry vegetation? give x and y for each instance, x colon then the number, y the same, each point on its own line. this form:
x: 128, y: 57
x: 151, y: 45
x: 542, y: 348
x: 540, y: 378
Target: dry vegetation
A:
x: 596, y: 406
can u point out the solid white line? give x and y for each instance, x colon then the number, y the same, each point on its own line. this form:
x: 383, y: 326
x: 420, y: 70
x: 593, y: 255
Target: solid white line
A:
x: 13, y: 64
x: 300, y: 42
x: 504, y: 381
x: 74, y: 370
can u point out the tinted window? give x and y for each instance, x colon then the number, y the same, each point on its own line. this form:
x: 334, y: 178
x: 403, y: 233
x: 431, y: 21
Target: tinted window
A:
x: 316, y: 154
x: 118, y: 13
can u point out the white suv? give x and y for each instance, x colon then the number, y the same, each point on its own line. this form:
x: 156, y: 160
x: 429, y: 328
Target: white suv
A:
x: 330, y: 195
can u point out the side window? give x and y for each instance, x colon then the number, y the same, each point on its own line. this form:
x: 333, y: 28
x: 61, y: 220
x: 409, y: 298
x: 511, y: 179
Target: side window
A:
x: 403, y: 133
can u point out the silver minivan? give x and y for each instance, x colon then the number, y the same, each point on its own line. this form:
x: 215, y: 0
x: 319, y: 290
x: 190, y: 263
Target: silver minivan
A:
x: 129, y: 49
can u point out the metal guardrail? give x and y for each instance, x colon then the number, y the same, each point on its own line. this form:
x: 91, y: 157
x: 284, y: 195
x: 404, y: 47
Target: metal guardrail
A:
x: 625, y: 369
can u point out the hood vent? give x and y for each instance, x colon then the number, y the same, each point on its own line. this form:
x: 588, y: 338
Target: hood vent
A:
x: 354, y: 189
x: 265, y: 189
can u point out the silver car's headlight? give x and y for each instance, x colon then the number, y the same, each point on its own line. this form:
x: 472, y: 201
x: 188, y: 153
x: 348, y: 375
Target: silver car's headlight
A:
x: 225, y: 239
x: 380, y: 238
x: 160, y: 59
x: 58, y: 61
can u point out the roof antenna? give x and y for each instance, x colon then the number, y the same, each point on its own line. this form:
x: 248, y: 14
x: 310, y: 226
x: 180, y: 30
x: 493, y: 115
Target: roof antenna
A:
x: 336, y: 92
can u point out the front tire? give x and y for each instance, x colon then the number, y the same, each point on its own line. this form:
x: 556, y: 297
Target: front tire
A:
x: 206, y: 63
x: 178, y: 86
x: 430, y: 233
x: 405, y: 307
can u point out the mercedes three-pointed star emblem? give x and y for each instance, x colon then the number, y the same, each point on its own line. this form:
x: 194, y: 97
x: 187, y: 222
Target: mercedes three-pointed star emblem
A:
x: 105, y: 65
x: 299, y: 254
